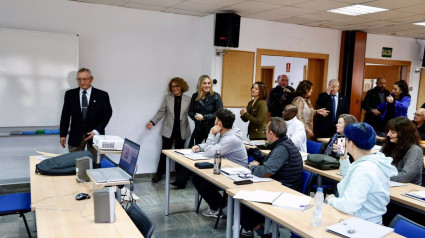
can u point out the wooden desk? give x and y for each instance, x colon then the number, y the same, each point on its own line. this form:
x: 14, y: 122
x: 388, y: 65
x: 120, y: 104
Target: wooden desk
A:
x: 297, y: 221
x: 219, y: 180
x: 58, y: 214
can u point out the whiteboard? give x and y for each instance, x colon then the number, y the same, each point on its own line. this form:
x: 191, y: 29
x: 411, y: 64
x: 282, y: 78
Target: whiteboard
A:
x: 36, y: 68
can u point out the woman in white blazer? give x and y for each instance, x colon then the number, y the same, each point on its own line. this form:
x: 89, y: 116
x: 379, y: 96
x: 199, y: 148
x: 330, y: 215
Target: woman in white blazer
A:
x: 175, y: 128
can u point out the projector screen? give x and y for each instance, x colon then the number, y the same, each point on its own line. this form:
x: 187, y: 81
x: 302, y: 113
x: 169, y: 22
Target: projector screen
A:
x: 36, y: 68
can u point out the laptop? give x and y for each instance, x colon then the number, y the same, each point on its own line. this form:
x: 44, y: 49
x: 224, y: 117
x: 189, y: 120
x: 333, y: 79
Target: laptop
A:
x: 126, y: 167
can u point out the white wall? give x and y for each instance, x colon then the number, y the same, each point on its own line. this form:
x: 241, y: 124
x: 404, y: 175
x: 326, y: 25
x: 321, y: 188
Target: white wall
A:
x: 279, y: 62
x: 132, y: 54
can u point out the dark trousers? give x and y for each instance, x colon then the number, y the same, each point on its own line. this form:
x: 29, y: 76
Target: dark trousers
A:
x: 250, y: 218
x: 209, y: 192
x: 167, y: 143
x: 183, y: 174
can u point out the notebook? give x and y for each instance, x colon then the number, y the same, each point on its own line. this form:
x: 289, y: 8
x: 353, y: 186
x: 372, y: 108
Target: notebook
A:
x: 126, y: 167
x: 418, y: 195
x: 278, y: 199
x: 188, y: 153
x: 359, y: 228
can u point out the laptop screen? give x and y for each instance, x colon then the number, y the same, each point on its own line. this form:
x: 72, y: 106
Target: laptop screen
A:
x: 129, y: 155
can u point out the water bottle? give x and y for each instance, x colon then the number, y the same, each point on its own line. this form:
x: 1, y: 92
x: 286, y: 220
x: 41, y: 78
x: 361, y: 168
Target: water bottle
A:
x: 317, y: 207
x: 217, y: 162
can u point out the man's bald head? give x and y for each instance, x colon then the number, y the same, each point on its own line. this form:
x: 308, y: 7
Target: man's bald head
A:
x: 419, y: 117
x: 289, y: 112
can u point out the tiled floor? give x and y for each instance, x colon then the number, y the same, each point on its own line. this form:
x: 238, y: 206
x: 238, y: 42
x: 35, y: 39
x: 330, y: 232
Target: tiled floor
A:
x: 183, y: 221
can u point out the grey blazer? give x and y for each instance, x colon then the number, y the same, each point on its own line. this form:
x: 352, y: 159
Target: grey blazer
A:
x: 167, y: 109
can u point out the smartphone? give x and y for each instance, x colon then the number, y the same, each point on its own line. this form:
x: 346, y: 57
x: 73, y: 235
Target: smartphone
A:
x: 340, y: 145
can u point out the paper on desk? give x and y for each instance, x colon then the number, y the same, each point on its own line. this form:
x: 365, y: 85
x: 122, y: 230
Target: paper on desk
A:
x: 396, y: 184
x: 256, y: 179
x: 358, y: 228
x: 257, y: 196
x: 235, y: 170
x: 291, y: 201
x: 42, y: 157
x: 47, y: 154
x: 254, y: 142
x: 188, y: 153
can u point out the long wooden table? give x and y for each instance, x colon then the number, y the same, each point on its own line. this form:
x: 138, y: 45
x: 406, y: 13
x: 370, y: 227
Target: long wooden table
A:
x: 58, y: 214
x: 219, y: 180
x: 297, y: 221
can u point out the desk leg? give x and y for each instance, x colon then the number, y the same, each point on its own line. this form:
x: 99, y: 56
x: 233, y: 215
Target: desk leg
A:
x: 118, y: 194
x: 267, y: 225
x: 196, y: 200
x: 229, y: 216
x: 236, y: 217
x: 275, y: 230
x: 35, y: 221
x: 167, y: 186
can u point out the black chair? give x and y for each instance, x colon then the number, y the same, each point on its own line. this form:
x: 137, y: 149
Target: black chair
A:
x: 17, y: 203
x: 307, y: 179
x: 406, y: 227
x: 141, y: 220
x: 220, y: 211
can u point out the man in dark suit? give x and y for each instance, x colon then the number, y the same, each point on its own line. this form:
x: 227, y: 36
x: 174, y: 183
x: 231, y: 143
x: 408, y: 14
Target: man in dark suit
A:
x: 280, y: 96
x: 336, y: 104
x: 373, y: 98
x: 89, y: 110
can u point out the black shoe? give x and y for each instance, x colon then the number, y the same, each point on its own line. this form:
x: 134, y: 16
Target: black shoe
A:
x: 178, y: 185
x: 156, y: 178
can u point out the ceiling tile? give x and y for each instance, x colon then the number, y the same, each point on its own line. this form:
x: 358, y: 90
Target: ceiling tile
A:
x: 352, y: 20
x: 164, y: 3
x: 281, y: 13
x: 418, y: 9
x: 222, y: 3
x: 283, y: 2
x: 387, y: 15
x: 196, y: 6
x: 322, y: 4
x: 251, y: 7
x: 413, y: 18
x: 185, y: 12
x: 376, y: 23
x: 394, y: 4
x: 354, y: 1
x: 296, y: 20
x: 322, y: 15
x: 143, y: 6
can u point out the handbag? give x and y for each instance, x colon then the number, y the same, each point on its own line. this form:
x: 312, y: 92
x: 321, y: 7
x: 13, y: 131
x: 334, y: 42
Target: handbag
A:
x: 323, y: 162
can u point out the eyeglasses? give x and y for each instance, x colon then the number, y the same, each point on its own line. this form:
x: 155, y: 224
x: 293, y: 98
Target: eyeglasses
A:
x: 83, y: 79
x: 245, y: 175
x: 417, y: 114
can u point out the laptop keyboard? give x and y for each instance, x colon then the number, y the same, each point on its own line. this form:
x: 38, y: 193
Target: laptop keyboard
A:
x: 109, y: 175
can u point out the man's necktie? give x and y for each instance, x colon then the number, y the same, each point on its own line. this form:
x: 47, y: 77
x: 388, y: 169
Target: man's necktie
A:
x: 333, y: 108
x: 84, y: 105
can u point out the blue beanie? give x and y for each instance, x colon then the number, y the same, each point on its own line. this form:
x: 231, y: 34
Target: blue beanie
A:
x: 361, y: 134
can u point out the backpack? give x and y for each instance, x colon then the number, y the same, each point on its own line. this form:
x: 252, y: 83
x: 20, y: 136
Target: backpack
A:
x: 62, y: 164
x: 323, y: 162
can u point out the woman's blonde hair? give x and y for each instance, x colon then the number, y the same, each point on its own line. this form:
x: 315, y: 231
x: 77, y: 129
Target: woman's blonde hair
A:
x: 199, y: 87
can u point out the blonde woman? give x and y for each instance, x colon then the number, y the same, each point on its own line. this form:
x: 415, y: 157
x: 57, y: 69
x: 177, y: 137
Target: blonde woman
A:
x: 306, y: 111
x: 203, y: 106
x: 256, y: 112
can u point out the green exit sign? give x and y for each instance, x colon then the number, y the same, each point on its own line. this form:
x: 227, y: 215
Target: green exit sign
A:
x: 387, y: 52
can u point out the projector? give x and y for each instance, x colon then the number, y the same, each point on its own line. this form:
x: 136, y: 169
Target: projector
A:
x: 106, y: 142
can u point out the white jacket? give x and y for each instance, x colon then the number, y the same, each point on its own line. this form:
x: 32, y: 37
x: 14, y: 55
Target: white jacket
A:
x: 296, y: 132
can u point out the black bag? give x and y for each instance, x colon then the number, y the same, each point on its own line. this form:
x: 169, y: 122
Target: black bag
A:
x: 62, y: 164
x: 204, y: 165
x: 323, y: 162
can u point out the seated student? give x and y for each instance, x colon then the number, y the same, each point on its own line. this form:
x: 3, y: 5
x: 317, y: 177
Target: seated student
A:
x: 296, y: 129
x: 343, y: 121
x: 402, y: 144
x: 364, y: 190
x: 284, y: 164
x: 419, y: 121
x: 229, y: 141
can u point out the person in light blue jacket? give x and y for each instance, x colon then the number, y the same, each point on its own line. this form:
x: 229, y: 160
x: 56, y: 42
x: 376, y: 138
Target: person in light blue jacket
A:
x: 364, y: 190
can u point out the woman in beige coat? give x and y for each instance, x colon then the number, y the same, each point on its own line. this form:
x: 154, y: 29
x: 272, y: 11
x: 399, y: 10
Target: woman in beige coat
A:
x: 306, y: 111
x: 175, y: 128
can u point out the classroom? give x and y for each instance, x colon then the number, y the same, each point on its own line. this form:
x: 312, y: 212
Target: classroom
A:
x: 133, y: 53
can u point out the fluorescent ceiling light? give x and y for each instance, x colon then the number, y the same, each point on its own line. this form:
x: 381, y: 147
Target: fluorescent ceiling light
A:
x: 357, y: 10
x: 420, y: 23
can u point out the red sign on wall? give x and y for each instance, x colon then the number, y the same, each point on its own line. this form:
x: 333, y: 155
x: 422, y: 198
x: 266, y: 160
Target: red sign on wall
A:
x: 288, y: 67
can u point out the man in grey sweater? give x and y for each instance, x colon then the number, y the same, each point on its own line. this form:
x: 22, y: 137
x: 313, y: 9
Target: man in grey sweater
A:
x: 229, y: 141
